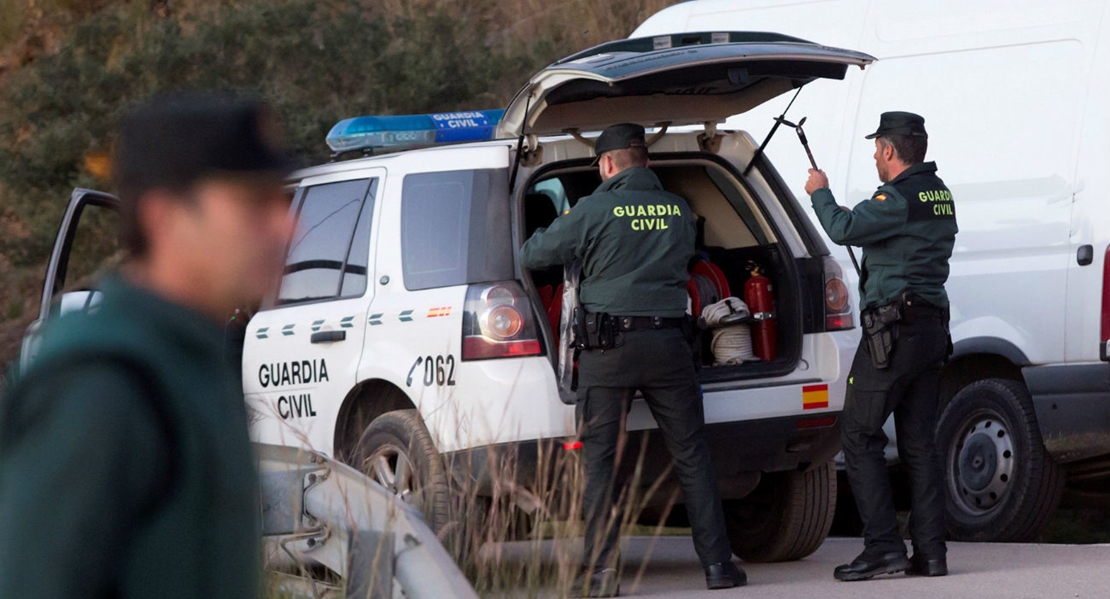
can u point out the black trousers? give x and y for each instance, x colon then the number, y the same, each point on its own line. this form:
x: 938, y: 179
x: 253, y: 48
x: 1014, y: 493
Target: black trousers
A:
x: 909, y: 389
x: 659, y: 364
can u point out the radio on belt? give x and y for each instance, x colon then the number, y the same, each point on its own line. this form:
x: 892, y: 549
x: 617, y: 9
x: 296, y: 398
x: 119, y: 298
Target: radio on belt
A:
x: 393, y: 133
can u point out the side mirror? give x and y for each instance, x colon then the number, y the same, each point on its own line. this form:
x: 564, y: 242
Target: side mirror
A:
x: 32, y: 338
x: 86, y: 301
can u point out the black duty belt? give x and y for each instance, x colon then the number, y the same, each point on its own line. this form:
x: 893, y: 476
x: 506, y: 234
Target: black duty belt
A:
x: 915, y: 308
x: 638, y: 323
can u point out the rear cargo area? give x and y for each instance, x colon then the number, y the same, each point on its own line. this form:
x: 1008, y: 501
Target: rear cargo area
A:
x: 738, y: 256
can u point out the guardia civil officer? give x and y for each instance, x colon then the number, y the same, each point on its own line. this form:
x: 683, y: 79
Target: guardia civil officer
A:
x: 634, y: 241
x: 125, y: 465
x: 907, y: 230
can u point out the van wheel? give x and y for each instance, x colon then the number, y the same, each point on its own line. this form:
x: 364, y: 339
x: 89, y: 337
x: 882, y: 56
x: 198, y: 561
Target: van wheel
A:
x: 785, y: 518
x: 396, y: 451
x: 1000, y: 482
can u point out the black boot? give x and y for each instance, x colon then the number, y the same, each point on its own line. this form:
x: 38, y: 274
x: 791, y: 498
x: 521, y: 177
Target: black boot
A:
x: 923, y: 565
x: 597, y: 583
x: 724, y: 575
x: 865, y: 566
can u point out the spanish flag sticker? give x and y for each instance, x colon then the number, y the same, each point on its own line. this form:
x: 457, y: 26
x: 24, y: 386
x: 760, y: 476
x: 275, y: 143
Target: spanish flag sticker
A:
x: 880, y: 196
x: 437, y: 312
x: 815, y: 396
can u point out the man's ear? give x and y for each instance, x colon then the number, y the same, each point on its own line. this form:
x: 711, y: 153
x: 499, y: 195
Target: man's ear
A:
x: 158, y: 215
x: 889, y: 153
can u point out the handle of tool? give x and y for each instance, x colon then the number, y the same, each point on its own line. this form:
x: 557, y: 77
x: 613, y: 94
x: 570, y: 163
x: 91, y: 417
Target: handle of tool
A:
x: 805, y: 144
x: 812, y: 162
x: 852, y: 255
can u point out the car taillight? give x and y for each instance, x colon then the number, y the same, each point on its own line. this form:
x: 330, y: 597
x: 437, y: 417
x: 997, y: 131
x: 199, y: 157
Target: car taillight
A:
x: 1104, y: 333
x: 838, y: 299
x: 498, y: 323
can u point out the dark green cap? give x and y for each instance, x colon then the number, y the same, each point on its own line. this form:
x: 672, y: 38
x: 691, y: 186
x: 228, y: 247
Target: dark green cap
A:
x: 900, y: 123
x: 178, y: 138
x: 618, y: 137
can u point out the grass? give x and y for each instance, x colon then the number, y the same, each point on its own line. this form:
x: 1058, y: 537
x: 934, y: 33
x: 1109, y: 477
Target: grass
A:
x: 1078, y: 526
x: 547, y: 511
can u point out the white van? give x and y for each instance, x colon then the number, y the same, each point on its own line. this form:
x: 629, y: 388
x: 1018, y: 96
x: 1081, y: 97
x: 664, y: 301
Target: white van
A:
x: 1014, y: 96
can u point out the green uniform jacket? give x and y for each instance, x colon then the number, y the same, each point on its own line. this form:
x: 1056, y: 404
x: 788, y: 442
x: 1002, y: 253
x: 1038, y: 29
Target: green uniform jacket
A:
x: 907, y: 230
x: 634, y: 240
x: 125, y: 465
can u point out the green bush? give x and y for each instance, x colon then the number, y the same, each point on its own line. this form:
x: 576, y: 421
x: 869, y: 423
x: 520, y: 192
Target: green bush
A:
x: 316, y: 61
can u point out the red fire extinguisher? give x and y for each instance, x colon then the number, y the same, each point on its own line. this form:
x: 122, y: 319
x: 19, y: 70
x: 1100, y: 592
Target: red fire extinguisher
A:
x: 761, y: 302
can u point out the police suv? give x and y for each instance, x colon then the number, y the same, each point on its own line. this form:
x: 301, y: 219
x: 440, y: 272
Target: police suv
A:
x: 405, y: 334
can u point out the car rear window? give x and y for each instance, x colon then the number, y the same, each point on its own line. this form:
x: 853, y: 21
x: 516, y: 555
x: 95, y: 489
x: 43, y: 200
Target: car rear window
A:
x: 455, y: 228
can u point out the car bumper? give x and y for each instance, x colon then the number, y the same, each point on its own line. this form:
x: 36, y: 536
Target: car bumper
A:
x: 1073, y: 408
x: 741, y: 452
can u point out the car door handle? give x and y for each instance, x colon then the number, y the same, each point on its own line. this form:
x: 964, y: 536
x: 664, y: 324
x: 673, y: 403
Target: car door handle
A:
x: 1085, y: 255
x: 328, y: 336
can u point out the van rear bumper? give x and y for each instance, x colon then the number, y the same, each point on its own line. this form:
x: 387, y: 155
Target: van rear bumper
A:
x: 1073, y: 408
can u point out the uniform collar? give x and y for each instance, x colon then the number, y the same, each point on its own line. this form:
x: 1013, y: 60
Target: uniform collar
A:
x: 915, y: 169
x: 635, y: 178
x: 182, y: 321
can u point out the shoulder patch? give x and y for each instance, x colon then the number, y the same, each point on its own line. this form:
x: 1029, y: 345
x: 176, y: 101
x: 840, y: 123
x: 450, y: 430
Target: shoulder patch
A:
x: 879, y: 196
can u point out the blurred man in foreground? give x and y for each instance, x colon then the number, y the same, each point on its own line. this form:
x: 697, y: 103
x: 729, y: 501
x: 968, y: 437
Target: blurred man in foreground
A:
x: 125, y: 465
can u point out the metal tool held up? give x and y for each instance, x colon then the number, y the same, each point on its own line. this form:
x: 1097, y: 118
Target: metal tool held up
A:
x: 805, y: 144
x: 801, y: 137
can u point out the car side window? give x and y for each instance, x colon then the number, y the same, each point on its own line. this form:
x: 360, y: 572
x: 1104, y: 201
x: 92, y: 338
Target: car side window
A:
x: 329, y: 253
x: 435, y: 227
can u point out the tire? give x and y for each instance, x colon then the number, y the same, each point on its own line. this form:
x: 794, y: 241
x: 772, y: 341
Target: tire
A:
x: 396, y: 450
x: 786, y: 518
x: 1001, y: 484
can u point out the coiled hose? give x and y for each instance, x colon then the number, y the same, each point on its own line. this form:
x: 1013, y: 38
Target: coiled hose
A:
x: 732, y: 340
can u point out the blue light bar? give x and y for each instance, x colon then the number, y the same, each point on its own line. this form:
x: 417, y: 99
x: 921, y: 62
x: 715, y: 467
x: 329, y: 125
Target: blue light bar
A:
x: 397, y: 132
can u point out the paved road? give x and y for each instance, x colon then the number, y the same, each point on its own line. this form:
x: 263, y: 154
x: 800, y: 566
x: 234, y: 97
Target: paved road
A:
x: 977, y: 570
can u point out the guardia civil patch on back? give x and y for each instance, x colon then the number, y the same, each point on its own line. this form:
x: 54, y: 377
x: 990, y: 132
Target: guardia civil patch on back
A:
x: 932, y: 204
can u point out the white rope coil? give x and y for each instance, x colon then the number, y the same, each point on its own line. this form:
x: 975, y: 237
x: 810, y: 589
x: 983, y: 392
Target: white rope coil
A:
x: 732, y: 342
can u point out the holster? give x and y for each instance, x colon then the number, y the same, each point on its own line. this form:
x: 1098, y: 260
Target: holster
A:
x: 880, y: 332
x: 596, y: 330
x: 692, y: 333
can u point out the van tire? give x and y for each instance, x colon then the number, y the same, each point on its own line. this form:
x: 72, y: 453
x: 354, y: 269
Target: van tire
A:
x: 785, y: 518
x: 399, y: 439
x: 1001, y: 484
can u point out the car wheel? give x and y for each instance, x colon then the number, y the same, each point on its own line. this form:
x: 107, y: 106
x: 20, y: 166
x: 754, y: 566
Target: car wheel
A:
x: 785, y: 518
x: 396, y: 451
x: 1000, y: 482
